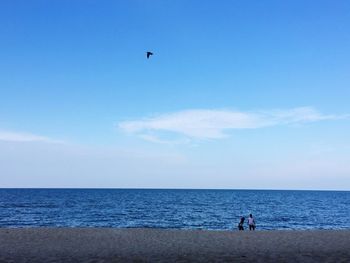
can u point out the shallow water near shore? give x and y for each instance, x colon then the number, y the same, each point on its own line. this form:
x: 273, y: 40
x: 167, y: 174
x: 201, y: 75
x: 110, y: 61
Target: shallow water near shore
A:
x: 180, y: 209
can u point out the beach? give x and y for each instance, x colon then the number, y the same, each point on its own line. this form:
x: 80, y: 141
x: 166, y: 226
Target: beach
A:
x: 164, y: 245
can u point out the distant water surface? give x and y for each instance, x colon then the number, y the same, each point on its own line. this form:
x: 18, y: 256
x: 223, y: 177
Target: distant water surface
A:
x: 181, y: 209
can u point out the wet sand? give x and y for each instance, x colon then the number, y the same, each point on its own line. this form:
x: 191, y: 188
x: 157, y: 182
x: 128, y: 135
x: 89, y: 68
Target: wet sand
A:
x: 157, y: 245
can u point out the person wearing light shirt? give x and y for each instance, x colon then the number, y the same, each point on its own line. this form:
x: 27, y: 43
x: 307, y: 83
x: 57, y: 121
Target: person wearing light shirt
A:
x: 251, y: 222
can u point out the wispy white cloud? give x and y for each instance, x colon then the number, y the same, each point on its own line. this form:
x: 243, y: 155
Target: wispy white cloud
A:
x: 24, y: 137
x: 214, y: 124
x: 154, y: 138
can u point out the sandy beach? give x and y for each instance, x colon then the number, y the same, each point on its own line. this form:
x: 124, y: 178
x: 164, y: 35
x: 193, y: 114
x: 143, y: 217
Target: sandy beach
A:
x: 157, y: 245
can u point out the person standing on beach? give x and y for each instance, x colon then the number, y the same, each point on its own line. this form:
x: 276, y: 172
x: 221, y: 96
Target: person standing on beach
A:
x: 241, y: 223
x: 251, y: 222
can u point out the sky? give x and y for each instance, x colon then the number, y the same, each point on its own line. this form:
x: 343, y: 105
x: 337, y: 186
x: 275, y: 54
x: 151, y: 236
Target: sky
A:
x: 238, y: 94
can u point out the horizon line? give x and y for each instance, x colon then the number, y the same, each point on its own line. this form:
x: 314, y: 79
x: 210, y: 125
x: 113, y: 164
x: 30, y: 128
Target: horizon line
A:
x: 175, y: 188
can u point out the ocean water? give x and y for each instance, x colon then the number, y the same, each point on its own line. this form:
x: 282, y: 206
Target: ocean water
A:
x: 180, y: 209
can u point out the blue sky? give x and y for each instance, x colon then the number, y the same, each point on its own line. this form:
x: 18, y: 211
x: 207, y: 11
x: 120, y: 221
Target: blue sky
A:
x: 238, y: 94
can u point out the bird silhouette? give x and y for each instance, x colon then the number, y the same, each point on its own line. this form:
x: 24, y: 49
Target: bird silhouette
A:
x: 148, y: 54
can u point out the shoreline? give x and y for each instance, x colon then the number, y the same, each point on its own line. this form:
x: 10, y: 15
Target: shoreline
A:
x: 172, y: 245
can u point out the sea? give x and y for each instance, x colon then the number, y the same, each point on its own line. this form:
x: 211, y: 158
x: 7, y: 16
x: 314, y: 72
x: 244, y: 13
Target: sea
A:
x: 174, y: 209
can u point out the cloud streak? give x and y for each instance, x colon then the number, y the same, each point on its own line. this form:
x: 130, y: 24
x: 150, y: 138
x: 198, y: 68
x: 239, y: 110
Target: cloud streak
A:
x: 215, y: 124
x: 24, y: 137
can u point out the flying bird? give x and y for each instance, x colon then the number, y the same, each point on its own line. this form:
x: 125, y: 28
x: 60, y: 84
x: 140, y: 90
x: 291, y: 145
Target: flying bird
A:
x: 148, y: 54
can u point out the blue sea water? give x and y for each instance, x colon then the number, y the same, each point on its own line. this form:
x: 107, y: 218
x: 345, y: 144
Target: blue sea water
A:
x: 180, y: 209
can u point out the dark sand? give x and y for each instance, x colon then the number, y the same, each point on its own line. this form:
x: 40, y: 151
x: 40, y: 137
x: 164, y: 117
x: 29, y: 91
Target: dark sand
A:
x: 156, y: 245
